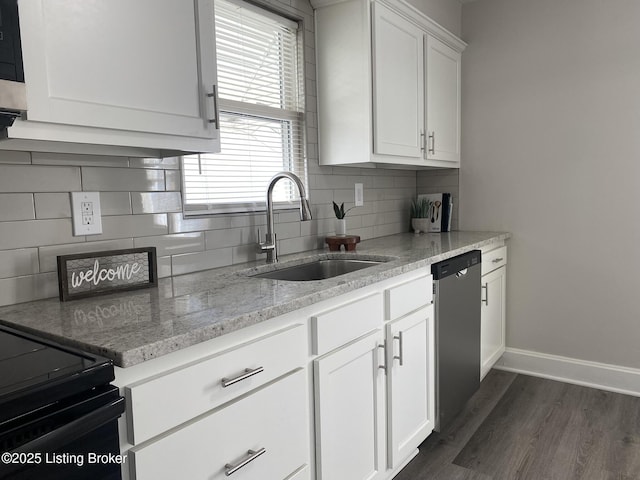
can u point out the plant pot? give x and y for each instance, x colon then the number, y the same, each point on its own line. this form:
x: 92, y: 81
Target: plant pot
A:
x: 341, y: 226
x: 420, y: 225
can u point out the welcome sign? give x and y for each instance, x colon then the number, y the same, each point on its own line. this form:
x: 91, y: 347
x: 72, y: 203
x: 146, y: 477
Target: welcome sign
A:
x: 99, y: 273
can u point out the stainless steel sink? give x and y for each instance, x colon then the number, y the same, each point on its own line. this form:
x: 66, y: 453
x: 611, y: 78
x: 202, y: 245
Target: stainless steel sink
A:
x: 318, y: 269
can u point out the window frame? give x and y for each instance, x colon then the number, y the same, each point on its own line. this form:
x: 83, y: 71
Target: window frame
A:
x: 234, y: 107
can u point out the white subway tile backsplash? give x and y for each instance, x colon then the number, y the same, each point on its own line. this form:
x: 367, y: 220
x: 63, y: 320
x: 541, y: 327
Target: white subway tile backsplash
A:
x: 122, y: 179
x: 285, y: 216
x: 48, y: 255
x: 11, y: 156
x: 156, y: 202
x: 52, y: 205
x: 36, y: 233
x: 299, y: 244
x: 179, y: 224
x: 287, y: 230
x: 40, y: 158
x: 383, y: 182
x: 115, y: 203
x: 16, y: 206
x: 167, y: 163
x: 245, y: 253
x: 223, y: 238
x: 15, y: 263
x: 253, y: 220
x: 129, y: 226
x: 364, y: 233
x: 173, y: 244
x: 36, y: 178
x: 30, y: 287
x: 164, y: 267
x: 195, y: 262
x: 173, y: 180
x: 390, y: 229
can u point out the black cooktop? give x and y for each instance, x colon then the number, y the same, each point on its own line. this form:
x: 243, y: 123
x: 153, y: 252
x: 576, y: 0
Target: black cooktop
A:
x: 35, y: 372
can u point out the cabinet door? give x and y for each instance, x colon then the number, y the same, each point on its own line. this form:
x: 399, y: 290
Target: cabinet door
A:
x: 492, y: 334
x: 349, y: 399
x: 411, y: 383
x: 398, y: 83
x: 443, y: 101
x: 272, y: 423
x: 135, y: 65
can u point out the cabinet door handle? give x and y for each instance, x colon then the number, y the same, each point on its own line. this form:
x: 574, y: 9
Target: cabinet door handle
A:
x: 230, y: 469
x: 383, y: 366
x: 432, y: 137
x: 423, y: 145
x: 400, y: 357
x: 248, y: 372
x: 216, y: 110
x: 486, y: 294
x: 496, y: 260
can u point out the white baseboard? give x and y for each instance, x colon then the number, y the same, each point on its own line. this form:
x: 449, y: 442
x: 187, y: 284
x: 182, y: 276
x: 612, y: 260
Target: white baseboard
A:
x: 603, y: 376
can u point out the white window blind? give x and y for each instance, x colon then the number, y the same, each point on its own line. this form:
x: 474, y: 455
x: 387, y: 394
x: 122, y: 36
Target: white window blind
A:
x: 261, y: 114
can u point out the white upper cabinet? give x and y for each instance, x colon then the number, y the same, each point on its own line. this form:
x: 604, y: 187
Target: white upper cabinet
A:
x: 375, y: 88
x: 133, y: 73
x: 443, y: 101
x: 398, y: 70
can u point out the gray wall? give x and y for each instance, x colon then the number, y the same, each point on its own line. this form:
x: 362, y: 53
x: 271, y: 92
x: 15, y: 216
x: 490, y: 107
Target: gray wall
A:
x: 445, y: 12
x: 551, y: 150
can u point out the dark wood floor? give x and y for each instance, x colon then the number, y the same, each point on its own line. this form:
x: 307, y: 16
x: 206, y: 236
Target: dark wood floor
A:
x: 521, y: 427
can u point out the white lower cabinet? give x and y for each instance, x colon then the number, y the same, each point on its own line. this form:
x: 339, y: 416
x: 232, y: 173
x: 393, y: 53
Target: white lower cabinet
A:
x: 247, y: 407
x: 410, y: 383
x: 493, y: 309
x: 374, y: 397
x: 262, y: 435
x: 349, y: 402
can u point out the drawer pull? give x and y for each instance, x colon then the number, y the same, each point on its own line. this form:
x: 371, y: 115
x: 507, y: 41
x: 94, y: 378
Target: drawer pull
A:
x: 399, y: 357
x: 496, y: 260
x: 383, y: 366
x: 248, y: 372
x: 230, y: 469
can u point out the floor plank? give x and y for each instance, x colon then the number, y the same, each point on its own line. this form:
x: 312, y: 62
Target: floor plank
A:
x: 528, y: 428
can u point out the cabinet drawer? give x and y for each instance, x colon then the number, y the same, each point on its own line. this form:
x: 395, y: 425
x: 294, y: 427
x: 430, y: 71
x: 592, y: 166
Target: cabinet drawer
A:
x: 273, y: 418
x: 169, y: 399
x: 407, y: 297
x: 335, y: 327
x: 494, y: 259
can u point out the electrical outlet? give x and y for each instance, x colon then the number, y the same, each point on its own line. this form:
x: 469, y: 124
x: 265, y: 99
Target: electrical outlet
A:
x: 85, y: 209
x: 359, y: 195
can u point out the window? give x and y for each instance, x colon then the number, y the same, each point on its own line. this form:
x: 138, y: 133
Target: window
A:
x: 261, y: 114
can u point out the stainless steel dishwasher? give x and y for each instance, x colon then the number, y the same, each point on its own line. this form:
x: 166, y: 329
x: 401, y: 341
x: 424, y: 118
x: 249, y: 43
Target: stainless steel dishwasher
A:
x: 456, y: 285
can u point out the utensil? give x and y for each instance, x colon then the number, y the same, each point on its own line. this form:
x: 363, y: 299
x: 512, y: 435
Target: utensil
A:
x: 437, y: 204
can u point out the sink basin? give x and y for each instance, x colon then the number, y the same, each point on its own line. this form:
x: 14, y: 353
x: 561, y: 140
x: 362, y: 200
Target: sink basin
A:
x: 318, y: 270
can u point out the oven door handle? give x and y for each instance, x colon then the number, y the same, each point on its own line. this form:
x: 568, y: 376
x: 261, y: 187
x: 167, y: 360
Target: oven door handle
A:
x: 76, y: 428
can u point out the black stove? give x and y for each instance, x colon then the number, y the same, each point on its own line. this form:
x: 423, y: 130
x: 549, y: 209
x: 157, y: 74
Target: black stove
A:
x: 58, y: 411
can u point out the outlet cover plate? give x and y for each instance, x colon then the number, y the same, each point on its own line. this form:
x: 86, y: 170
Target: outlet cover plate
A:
x: 85, y: 210
x: 359, y: 195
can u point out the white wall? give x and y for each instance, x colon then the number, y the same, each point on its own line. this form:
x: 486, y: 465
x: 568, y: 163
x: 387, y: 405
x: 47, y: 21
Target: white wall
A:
x: 551, y: 153
x: 445, y: 12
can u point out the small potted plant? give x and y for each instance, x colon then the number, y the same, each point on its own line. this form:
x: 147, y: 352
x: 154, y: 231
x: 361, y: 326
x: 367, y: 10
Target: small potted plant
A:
x: 420, y: 210
x: 341, y: 222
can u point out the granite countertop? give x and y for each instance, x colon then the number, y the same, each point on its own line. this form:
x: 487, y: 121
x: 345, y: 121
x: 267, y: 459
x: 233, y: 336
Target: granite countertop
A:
x: 184, y: 310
